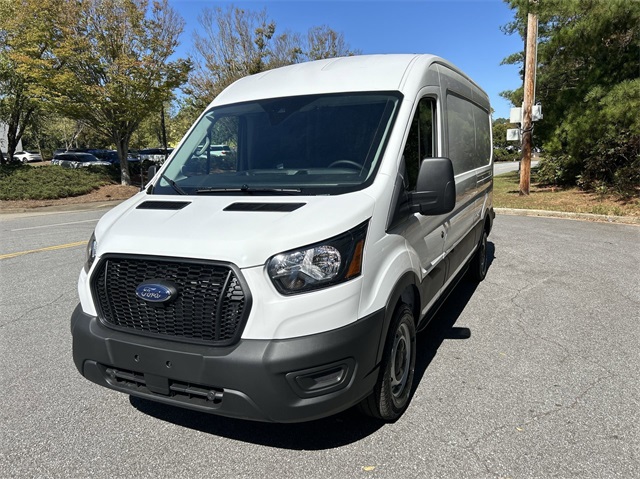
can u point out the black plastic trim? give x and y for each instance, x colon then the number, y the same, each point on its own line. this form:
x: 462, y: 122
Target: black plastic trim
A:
x: 270, y: 207
x: 345, y: 366
x: 247, y: 380
x: 163, y: 205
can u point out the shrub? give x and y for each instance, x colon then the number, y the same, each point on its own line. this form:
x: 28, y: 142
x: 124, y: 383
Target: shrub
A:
x: 559, y: 170
x: 502, y: 154
x: 25, y: 182
x: 598, y: 146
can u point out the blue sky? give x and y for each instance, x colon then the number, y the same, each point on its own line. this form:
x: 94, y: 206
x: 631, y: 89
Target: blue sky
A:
x: 465, y: 32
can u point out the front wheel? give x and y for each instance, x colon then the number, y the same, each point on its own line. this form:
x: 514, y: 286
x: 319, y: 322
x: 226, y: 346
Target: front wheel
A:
x: 391, y: 394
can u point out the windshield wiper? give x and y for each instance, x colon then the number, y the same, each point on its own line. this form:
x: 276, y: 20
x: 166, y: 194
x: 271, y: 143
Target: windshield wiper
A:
x: 249, y: 190
x: 174, y: 185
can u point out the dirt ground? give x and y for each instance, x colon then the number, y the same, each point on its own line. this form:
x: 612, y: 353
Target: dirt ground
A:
x: 105, y: 193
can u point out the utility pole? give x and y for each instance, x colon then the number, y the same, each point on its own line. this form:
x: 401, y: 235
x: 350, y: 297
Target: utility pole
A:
x: 529, y: 98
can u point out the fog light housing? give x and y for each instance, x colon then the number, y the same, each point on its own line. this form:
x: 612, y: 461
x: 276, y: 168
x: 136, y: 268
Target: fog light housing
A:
x: 323, y: 379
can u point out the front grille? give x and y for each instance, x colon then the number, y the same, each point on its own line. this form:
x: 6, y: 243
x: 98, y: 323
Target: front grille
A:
x: 211, y: 305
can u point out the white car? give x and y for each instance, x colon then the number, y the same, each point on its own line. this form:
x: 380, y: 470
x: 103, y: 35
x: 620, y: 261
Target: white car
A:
x: 219, y: 150
x: 74, y: 159
x: 27, y: 156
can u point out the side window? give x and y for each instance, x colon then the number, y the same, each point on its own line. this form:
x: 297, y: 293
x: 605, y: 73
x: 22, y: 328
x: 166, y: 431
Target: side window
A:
x: 216, y: 152
x: 469, y: 135
x: 483, y: 137
x: 420, y: 143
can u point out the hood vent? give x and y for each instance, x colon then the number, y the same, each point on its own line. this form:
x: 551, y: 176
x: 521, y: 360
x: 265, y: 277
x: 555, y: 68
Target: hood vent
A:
x: 163, y: 205
x: 274, y: 207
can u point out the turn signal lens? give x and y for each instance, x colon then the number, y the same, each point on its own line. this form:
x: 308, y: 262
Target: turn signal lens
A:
x: 90, y: 255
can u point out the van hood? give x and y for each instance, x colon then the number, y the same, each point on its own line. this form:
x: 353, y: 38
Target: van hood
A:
x: 243, y: 230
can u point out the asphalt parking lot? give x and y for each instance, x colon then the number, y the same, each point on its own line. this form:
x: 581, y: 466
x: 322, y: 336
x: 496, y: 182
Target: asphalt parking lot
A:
x: 534, y: 373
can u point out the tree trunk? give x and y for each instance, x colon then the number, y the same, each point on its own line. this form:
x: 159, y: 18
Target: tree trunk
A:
x: 123, y: 152
x: 13, y: 136
x: 14, y: 132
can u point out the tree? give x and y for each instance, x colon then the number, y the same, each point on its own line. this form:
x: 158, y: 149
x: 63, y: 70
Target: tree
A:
x: 503, y: 150
x: 587, y: 61
x: 286, y: 49
x: 323, y: 42
x: 151, y: 134
x: 116, y: 69
x: 49, y: 131
x: 500, y: 127
x: 237, y: 42
x: 233, y: 44
x: 28, y: 29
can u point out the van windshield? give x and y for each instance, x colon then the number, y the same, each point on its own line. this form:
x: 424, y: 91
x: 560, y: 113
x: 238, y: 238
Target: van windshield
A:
x: 316, y: 144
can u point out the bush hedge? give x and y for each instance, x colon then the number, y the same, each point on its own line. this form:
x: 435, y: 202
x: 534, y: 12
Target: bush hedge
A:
x: 25, y: 182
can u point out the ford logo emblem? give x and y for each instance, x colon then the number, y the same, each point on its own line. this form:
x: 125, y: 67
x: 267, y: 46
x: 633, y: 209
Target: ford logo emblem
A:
x: 156, y: 292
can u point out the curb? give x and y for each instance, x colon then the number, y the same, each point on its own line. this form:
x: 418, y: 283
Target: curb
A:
x: 628, y: 220
x: 52, y: 209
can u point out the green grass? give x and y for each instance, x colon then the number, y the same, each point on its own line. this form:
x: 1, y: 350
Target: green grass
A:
x: 24, y: 182
x: 553, y: 198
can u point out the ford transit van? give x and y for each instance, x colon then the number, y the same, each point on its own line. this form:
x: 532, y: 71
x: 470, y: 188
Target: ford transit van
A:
x: 279, y: 264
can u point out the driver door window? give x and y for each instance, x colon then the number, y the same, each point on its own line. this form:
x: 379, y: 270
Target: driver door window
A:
x: 421, y: 141
x: 216, y: 153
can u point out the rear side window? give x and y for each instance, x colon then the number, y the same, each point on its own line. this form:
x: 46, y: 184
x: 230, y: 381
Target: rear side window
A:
x: 469, y: 135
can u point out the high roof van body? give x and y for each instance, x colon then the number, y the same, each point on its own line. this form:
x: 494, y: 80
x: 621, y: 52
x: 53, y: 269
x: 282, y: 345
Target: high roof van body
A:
x: 286, y: 279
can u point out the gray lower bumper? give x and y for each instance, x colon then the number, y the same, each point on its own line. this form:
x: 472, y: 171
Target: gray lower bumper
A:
x: 280, y: 380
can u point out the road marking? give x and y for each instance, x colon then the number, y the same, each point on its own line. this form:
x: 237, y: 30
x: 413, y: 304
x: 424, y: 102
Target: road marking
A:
x: 58, y: 224
x: 39, y: 250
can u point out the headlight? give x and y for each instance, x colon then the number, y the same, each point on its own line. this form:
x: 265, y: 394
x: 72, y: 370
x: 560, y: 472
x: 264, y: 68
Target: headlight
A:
x: 316, y: 266
x: 92, y: 246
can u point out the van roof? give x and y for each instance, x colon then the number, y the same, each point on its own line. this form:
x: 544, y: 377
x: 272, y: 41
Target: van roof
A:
x: 343, y: 74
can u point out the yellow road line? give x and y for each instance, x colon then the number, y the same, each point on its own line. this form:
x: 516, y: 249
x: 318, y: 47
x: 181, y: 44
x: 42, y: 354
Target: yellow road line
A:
x: 48, y: 248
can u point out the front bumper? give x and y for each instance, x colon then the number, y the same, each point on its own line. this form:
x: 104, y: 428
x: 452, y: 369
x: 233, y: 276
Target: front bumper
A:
x: 286, y: 380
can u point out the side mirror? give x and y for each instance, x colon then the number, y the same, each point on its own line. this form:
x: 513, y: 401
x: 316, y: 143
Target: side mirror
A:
x: 435, y: 188
x: 151, y: 172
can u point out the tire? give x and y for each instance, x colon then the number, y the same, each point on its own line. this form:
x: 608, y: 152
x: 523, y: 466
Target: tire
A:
x: 480, y: 261
x: 392, y: 392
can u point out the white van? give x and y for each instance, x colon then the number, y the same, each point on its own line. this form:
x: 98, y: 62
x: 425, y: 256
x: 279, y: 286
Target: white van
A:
x: 286, y: 279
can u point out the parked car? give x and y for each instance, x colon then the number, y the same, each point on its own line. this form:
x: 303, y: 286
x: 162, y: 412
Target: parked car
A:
x: 219, y: 150
x: 27, y: 156
x: 155, y: 155
x: 103, y: 154
x: 100, y: 153
x: 77, y: 159
x: 106, y: 155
